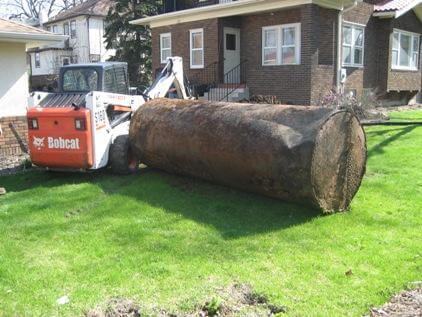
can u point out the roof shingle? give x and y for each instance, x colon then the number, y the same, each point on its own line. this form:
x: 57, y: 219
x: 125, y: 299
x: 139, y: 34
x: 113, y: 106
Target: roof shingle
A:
x: 15, y: 27
x: 89, y: 7
x: 393, y: 5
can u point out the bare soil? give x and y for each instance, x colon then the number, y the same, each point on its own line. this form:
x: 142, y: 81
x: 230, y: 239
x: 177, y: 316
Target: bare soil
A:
x: 234, y: 301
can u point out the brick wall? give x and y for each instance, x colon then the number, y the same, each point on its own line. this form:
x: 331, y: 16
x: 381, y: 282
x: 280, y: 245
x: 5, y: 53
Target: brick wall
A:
x: 316, y: 74
x: 13, y: 139
x: 180, y: 43
x: 405, y: 80
x: 324, y: 30
x: 377, y: 74
x: 290, y: 83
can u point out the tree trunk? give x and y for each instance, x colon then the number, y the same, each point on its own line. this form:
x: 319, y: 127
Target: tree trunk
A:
x: 296, y: 153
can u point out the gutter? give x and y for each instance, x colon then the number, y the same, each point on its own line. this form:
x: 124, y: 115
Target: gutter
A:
x: 339, y: 42
x: 32, y: 36
x: 218, y: 10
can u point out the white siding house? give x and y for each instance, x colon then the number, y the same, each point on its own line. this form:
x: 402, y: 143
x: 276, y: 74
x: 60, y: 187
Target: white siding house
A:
x: 15, y: 38
x: 84, y: 24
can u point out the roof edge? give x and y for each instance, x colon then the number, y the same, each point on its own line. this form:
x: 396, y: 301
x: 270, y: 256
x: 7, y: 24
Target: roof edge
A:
x: 229, y: 9
x: 72, y: 17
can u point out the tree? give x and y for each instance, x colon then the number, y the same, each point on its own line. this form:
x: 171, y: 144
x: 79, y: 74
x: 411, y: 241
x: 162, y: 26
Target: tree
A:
x: 132, y: 42
x: 33, y: 9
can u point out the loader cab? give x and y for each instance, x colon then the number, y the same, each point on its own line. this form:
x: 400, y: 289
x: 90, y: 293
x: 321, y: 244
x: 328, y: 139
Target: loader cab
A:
x: 106, y: 76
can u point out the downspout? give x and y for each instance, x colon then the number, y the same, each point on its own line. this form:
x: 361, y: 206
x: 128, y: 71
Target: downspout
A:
x: 89, y: 40
x: 339, y: 42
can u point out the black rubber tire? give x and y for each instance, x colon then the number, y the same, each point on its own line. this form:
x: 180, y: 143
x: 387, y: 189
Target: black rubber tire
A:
x: 120, y: 157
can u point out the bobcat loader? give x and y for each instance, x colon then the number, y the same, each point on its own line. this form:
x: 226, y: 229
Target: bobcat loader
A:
x: 85, y: 125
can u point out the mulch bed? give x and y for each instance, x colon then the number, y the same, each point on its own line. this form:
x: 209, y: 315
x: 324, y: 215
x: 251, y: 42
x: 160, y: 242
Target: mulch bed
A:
x: 405, y: 304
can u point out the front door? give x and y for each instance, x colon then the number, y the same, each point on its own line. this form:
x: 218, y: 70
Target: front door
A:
x: 231, y: 55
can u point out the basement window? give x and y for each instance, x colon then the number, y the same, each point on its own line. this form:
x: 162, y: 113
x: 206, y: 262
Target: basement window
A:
x: 405, y: 50
x: 281, y: 44
x: 196, y: 48
x: 353, y: 44
x: 165, y: 47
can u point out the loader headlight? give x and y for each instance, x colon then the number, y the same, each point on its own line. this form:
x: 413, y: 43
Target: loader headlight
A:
x: 80, y: 124
x: 33, y: 124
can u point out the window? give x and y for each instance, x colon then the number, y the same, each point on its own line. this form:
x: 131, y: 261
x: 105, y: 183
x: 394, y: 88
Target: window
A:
x: 109, y: 80
x: 77, y: 80
x: 230, y: 42
x: 281, y: 44
x: 66, y: 61
x: 66, y: 28
x: 165, y: 46
x: 37, y: 60
x: 405, y: 50
x: 73, y: 29
x: 353, y: 42
x: 49, y: 28
x: 196, y: 48
x: 121, y: 80
x: 55, y: 29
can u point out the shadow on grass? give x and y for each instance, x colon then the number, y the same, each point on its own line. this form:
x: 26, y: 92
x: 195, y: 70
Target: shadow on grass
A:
x: 233, y: 213
x: 399, y: 132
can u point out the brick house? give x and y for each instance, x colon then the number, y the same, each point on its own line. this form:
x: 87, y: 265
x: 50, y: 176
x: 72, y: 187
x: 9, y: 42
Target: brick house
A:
x: 296, y: 50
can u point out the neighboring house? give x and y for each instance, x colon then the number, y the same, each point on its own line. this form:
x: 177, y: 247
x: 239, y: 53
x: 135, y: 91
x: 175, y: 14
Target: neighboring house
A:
x: 15, y: 39
x: 295, y: 50
x: 84, y: 24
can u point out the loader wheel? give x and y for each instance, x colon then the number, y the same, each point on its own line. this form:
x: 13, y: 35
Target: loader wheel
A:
x: 122, y: 159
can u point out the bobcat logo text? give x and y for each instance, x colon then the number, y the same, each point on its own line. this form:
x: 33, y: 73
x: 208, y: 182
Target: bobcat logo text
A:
x: 57, y: 143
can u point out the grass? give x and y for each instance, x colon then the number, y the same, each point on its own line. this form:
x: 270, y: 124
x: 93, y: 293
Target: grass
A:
x: 169, y: 242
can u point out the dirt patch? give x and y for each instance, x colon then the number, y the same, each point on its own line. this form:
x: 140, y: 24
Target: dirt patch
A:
x: 405, y: 304
x: 237, y: 300
x: 116, y: 307
x: 234, y: 301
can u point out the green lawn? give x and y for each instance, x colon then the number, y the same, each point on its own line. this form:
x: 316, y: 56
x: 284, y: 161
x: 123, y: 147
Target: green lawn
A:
x: 169, y: 242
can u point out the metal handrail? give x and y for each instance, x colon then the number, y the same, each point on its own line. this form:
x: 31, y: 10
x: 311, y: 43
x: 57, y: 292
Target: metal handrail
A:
x: 206, y: 79
x: 232, y: 80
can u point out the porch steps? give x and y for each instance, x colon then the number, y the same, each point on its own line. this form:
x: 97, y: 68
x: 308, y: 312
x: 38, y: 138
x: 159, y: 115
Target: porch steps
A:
x: 217, y: 93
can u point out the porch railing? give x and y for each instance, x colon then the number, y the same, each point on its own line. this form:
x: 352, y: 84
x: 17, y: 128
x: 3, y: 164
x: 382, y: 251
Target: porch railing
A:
x: 233, y: 80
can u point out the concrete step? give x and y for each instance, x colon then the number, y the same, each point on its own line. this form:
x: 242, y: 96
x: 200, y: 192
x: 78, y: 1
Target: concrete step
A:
x: 236, y: 95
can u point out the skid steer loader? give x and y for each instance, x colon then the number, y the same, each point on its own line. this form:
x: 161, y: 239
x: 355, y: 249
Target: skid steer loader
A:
x: 85, y: 125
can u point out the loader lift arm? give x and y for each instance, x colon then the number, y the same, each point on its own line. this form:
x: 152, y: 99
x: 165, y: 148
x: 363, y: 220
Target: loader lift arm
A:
x: 172, y: 73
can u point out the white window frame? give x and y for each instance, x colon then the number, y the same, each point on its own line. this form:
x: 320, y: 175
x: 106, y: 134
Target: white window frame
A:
x: 64, y: 28
x: 353, y: 46
x: 55, y: 28
x: 279, y: 46
x: 191, y: 49
x: 413, y: 50
x: 163, y: 35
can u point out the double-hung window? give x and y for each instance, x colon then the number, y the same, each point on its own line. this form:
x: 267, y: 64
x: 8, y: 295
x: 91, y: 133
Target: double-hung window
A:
x: 165, y: 46
x: 66, y: 28
x: 353, y: 44
x: 196, y: 48
x: 281, y: 44
x: 405, y: 50
x: 73, y: 29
